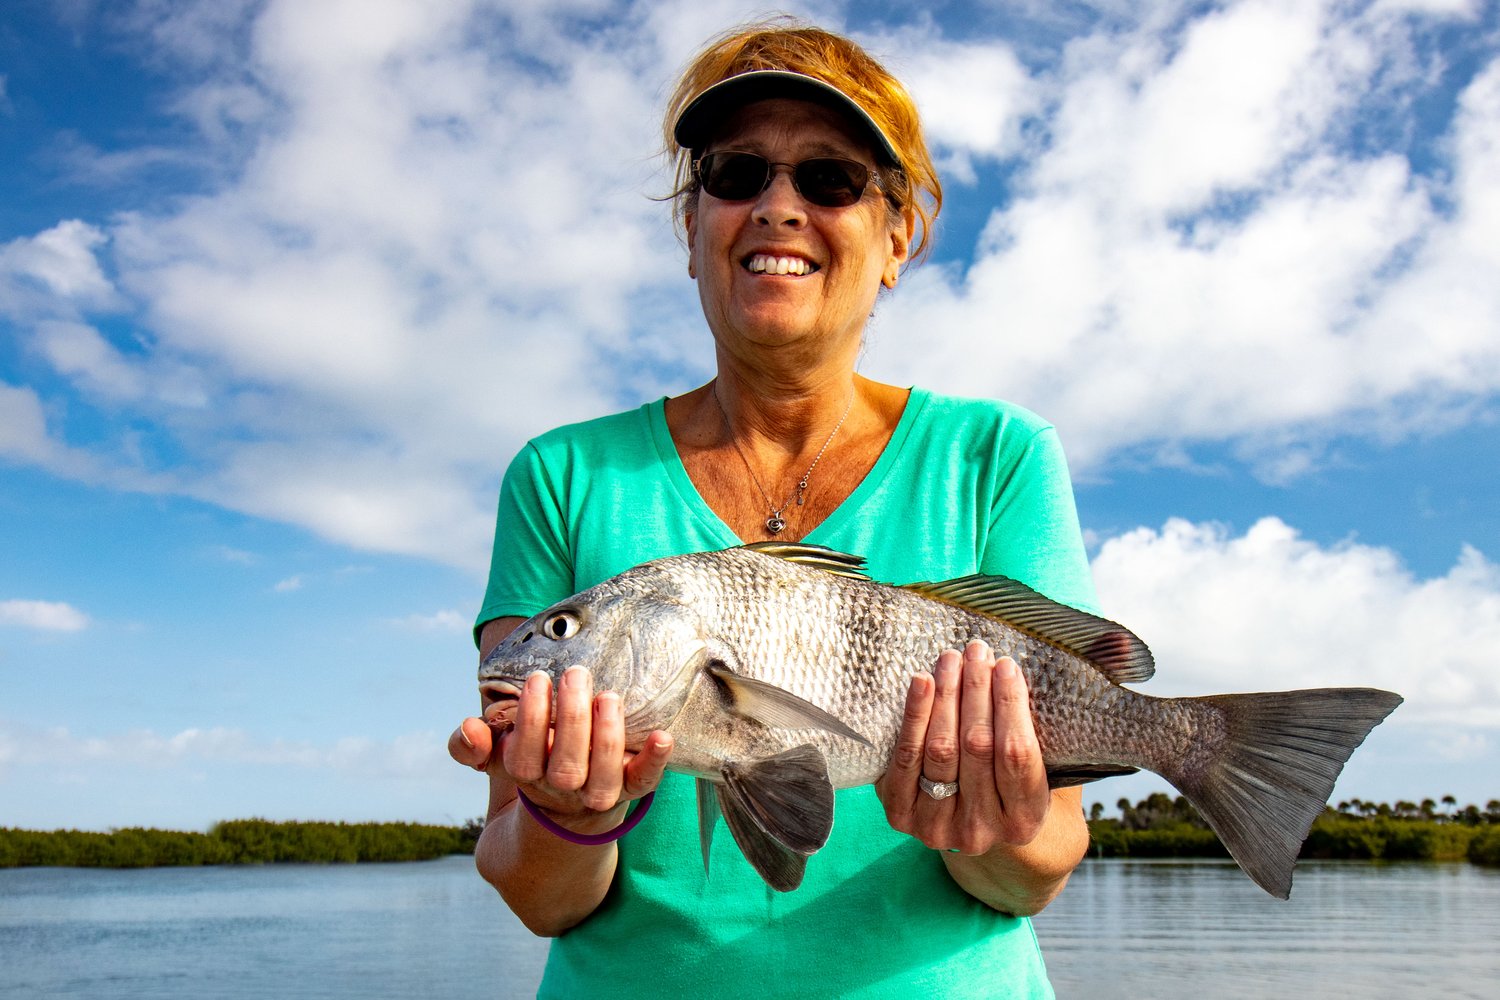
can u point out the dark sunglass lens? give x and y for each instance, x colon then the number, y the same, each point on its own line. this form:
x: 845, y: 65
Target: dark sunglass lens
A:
x: 733, y: 176
x: 833, y: 183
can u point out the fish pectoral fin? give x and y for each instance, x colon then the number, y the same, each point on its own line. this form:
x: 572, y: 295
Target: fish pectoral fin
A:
x: 773, y: 706
x: 708, y: 815
x: 779, y: 810
x: 1082, y: 774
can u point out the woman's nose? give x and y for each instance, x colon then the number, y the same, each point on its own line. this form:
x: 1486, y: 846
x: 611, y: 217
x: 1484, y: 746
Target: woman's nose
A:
x: 780, y: 203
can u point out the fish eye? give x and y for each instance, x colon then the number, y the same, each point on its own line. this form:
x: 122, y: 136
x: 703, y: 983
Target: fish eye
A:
x: 563, y: 625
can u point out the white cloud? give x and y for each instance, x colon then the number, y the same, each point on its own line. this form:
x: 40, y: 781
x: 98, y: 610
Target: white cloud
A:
x: 288, y: 585
x: 46, y: 616
x: 436, y: 238
x: 1197, y: 252
x: 446, y: 620
x: 56, y: 269
x: 402, y: 756
x: 1270, y: 610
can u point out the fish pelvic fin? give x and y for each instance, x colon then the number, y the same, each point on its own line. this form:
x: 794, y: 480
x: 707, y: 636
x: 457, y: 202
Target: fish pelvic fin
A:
x: 779, y: 810
x: 708, y: 815
x: 1112, y: 649
x: 774, y: 707
x: 1261, y: 788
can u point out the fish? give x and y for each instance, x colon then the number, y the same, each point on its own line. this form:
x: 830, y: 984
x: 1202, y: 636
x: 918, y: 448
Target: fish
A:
x: 781, y: 669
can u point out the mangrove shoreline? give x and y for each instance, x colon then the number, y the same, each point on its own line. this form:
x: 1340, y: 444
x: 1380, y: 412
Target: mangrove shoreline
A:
x: 1156, y: 827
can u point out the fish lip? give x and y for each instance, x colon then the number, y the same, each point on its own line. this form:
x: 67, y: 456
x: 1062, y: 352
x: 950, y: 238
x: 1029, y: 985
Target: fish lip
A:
x: 500, y: 697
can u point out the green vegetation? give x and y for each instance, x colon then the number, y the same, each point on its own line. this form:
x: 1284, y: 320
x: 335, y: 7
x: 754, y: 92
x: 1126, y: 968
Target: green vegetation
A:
x: 1160, y: 826
x: 237, y: 842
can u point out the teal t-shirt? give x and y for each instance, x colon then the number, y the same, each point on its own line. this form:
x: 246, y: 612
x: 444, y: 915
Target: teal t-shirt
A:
x: 964, y: 486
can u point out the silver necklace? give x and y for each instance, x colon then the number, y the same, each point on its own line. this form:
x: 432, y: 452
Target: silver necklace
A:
x: 775, y: 523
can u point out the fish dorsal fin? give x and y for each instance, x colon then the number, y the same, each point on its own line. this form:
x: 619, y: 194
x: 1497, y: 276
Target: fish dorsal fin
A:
x: 1112, y: 648
x: 817, y: 556
x: 773, y: 706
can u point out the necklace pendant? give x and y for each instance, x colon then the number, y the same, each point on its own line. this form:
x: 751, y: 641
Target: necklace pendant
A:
x: 774, y: 524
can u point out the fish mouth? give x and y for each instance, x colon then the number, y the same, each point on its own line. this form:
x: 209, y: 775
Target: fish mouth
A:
x: 500, y: 699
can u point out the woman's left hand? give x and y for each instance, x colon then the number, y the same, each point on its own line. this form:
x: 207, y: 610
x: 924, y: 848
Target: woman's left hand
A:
x: 969, y: 724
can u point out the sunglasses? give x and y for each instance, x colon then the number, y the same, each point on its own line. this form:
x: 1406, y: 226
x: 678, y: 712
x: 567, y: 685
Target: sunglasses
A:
x: 828, y: 181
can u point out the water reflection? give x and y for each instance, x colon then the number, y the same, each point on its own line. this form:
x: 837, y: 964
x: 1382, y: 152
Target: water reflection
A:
x: 1173, y: 929
x: 1137, y: 929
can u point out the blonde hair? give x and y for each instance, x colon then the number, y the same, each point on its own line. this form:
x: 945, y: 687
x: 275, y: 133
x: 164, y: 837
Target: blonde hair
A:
x: 785, y: 43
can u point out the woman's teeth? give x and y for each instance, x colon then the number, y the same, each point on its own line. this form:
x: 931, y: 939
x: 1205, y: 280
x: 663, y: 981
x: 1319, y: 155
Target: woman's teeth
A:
x: 766, y: 264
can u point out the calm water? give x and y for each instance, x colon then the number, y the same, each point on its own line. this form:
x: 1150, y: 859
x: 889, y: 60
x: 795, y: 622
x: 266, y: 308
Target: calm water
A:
x: 1123, y: 929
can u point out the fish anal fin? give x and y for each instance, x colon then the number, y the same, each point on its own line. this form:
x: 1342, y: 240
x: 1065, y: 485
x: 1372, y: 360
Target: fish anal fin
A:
x: 1082, y: 774
x: 775, y: 707
x: 1112, y: 649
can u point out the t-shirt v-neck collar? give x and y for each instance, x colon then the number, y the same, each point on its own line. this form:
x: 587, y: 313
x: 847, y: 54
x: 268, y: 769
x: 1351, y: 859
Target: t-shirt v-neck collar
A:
x: 676, y: 472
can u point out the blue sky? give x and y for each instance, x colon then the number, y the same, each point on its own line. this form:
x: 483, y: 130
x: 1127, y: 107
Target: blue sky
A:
x: 284, y: 285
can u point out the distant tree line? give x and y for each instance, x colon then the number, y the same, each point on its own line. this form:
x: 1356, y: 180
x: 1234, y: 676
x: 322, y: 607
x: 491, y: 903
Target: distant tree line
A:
x: 1160, y: 826
x: 237, y: 842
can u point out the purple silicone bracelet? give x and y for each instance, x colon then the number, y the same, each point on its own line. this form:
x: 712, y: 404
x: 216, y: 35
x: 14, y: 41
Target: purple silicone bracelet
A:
x: 587, y: 839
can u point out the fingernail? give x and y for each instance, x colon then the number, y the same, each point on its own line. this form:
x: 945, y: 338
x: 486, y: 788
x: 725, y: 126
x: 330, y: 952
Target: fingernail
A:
x: 536, y: 681
x: 463, y: 738
x: 573, y: 676
x: 977, y: 649
x: 1005, y: 667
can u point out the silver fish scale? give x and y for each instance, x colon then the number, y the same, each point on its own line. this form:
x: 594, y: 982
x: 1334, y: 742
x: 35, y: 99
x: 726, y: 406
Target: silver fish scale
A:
x: 1258, y: 767
x: 850, y: 647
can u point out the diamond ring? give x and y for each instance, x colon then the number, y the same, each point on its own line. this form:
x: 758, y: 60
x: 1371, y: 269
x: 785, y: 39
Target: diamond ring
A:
x: 937, y: 789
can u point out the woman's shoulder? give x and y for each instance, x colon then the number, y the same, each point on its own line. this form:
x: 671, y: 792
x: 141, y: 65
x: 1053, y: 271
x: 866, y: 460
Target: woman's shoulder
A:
x: 608, y: 432
x: 939, y: 412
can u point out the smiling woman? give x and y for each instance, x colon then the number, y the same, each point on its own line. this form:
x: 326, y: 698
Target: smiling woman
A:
x: 805, y: 188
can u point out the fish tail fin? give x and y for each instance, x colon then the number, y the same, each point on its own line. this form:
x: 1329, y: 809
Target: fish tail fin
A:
x: 1264, y: 782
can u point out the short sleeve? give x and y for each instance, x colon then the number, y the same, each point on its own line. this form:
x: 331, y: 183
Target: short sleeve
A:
x: 531, y: 565
x: 1034, y: 512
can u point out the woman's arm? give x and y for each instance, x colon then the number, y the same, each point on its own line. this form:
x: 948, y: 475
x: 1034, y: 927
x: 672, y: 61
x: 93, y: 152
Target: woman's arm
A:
x: 576, y: 769
x: 1008, y: 840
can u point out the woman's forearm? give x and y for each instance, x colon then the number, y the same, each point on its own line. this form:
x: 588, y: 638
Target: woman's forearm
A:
x: 551, y: 885
x: 1022, y: 880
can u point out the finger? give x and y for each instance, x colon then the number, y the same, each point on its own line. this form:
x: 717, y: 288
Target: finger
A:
x: 606, y: 754
x: 900, y: 779
x: 976, y: 725
x: 643, y: 772
x: 568, y: 763
x: 1020, y: 773
x: 524, y: 751
x: 471, y: 743
x: 940, y: 748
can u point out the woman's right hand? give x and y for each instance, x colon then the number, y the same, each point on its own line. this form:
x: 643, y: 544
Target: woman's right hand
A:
x: 574, y: 765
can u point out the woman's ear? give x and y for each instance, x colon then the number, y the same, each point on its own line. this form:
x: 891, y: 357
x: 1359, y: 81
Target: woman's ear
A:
x: 690, y: 223
x: 901, y: 237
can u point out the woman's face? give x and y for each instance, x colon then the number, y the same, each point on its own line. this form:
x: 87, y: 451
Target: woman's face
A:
x: 839, y: 257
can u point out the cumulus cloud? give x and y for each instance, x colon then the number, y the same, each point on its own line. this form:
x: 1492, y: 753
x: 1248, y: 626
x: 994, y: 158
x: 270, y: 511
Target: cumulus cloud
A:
x: 46, y: 616
x: 1200, y: 250
x: 437, y: 238
x: 1269, y: 610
